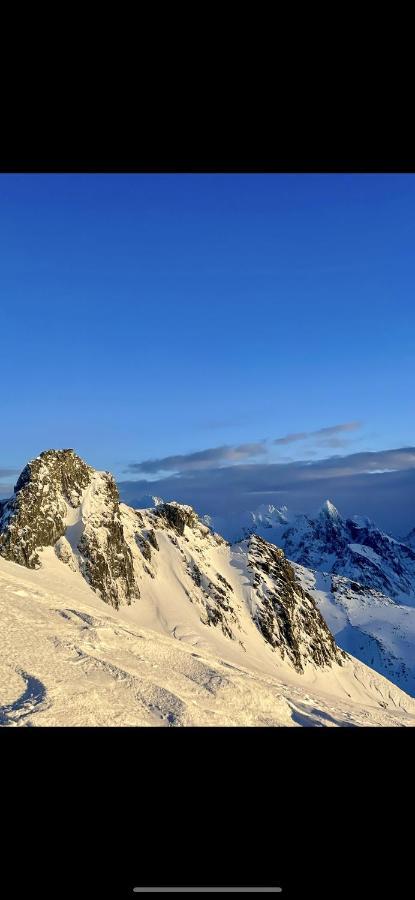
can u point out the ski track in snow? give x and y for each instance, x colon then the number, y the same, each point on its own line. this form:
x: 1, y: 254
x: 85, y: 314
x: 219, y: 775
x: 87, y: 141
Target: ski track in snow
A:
x: 32, y: 697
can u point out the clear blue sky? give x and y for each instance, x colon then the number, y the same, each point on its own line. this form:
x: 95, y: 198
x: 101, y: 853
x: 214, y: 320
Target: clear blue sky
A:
x: 149, y: 316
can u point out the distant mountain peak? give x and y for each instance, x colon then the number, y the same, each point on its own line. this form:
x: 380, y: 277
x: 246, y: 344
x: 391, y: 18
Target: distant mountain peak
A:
x: 271, y: 514
x: 328, y: 509
x: 147, y: 501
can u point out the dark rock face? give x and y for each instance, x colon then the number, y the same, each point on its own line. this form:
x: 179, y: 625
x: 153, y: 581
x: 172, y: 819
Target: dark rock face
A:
x: 216, y: 600
x: 106, y: 559
x: 285, y: 614
x: 34, y: 517
x: 145, y: 547
x: 177, y: 515
x: 145, y: 540
x: 151, y: 537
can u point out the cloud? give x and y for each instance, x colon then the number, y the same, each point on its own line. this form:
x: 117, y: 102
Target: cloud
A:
x: 7, y: 487
x: 226, y: 454
x: 325, y: 433
x: 334, y: 443
x: 291, y: 438
x: 335, y: 429
x: 6, y: 473
x: 202, y: 459
x: 6, y: 490
x: 348, y: 481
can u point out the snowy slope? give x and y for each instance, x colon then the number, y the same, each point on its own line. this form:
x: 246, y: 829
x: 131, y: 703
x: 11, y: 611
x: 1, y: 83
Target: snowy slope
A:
x: 68, y: 658
x: 366, y: 624
x: 110, y: 615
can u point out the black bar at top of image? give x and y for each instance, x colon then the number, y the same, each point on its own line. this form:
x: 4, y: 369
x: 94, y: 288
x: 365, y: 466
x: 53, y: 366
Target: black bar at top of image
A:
x: 204, y: 165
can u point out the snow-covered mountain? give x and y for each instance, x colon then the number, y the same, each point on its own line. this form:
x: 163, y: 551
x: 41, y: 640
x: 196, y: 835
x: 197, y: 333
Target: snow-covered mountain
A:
x: 354, y: 548
x: 111, y: 615
x: 362, y: 579
x: 261, y: 521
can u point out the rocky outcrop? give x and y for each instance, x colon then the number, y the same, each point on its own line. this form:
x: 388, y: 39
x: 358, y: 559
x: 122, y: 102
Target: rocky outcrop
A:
x: 35, y: 516
x: 217, y: 600
x: 39, y: 515
x: 65, y: 553
x: 151, y: 537
x: 106, y: 558
x: 285, y: 614
x: 177, y: 515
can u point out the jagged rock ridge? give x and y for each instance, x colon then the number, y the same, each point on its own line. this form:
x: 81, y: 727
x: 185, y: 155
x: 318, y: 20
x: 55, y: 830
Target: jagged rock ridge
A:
x: 164, y: 558
x: 285, y: 613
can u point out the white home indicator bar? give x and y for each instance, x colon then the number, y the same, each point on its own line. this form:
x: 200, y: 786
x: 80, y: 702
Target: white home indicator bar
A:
x: 207, y: 890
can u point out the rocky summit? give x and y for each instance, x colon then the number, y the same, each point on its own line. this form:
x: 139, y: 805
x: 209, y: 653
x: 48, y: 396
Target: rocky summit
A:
x: 35, y: 516
x: 60, y: 502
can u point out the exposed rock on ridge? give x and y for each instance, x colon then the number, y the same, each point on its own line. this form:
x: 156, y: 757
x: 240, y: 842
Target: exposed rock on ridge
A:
x: 106, y: 558
x: 286, y: 615
x: 178, y: 515
x: 39, y: 513
x: 35, y: 516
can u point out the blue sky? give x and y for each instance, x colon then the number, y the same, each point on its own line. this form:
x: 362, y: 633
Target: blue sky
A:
x: 154, y: 317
